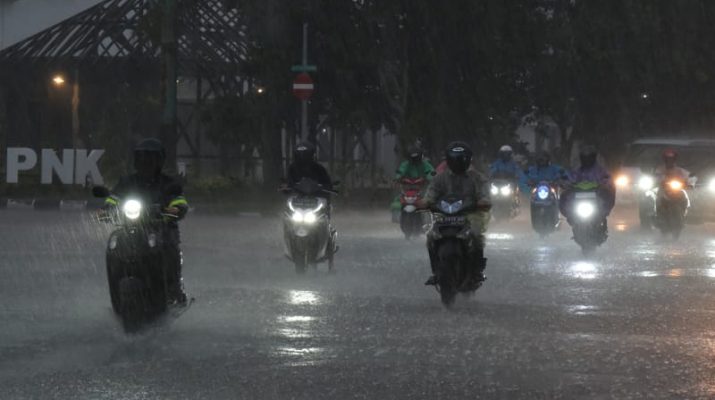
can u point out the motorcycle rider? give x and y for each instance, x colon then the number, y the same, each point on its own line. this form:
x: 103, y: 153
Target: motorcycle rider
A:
x: 505, y: 167
x: 148, y: 182
x: 589, y: 170
x: 305, y: 165
x: 414, y: 167
x: 462, y: 180
x: 669, y: 168
x: 542, y: 170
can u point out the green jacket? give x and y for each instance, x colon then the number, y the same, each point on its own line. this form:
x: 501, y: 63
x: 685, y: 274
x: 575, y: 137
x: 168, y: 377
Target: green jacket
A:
x: 410, y: 170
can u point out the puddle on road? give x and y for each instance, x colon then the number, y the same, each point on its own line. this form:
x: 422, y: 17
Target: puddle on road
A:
x: 500, y: 236
x: 300, y: 297
x: 679, y: 273
x: 583, y: 270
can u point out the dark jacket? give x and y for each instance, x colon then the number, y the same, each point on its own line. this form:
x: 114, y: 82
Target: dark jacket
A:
x: 163, y: 190
x: 313, y: 170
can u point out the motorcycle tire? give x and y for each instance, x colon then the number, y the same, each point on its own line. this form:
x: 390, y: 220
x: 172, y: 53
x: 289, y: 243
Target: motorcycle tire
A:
x: 132, y: 307
x: 113, y: 283
x: 449, y: 273
x: 301, y: 264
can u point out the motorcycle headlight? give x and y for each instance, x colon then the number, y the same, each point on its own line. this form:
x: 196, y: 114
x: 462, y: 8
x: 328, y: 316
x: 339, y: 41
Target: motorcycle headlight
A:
x: 675, y: 185
x: 585, y: 210
x: 506, y: 190
x: 297, y: 216
x: 711, y: 185
x: 542, y: 192
x: 309, y: 218
x: 622, y: 181
x: 132, y: 209
x: 646, y: 183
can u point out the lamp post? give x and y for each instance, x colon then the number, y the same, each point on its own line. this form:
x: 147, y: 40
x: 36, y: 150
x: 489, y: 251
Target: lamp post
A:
x: 59, y: 81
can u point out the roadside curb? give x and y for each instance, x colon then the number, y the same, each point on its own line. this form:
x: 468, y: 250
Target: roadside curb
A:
x: 72, y: 205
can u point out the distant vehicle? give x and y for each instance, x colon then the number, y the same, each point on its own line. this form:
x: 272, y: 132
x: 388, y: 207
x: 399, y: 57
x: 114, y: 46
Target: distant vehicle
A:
x: 636, y: 177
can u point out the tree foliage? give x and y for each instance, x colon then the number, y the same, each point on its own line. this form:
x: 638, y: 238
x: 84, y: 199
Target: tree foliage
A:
x: 604, y: 71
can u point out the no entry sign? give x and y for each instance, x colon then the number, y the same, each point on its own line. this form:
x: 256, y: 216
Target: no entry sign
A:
x: 303, y: 86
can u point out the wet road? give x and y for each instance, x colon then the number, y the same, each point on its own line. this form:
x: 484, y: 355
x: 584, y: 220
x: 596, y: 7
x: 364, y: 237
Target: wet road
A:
x: 636, y: 320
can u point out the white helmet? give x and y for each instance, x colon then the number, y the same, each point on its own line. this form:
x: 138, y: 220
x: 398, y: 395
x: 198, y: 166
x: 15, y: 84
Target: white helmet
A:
x: 506, y: 149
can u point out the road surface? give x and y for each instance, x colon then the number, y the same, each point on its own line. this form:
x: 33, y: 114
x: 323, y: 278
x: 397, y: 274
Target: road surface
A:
x: 636, y: 320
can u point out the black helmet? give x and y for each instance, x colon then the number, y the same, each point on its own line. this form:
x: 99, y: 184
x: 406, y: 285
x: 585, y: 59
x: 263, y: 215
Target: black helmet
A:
x: 149, y: 157
x: 459, y: 157
x: 588, y: 156
x: 304, y: 153
x: 543, y: 159
x: 415, y: 154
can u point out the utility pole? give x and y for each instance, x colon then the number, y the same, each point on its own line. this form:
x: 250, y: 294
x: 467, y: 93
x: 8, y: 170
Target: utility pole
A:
x: 303, y: 85
x: 304, y: 103
x: 169, y: 56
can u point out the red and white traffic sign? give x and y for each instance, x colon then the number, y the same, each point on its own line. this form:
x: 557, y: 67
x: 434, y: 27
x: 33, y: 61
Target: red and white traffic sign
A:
x: 303, y: 86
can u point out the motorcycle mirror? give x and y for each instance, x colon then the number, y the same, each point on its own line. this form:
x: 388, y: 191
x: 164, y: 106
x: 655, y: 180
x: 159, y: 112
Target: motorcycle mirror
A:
x: 100, y: 192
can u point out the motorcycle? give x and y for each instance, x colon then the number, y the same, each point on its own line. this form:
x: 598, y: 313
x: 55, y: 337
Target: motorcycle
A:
x: 545, y: 208
x: 671, y: 206
x: 589, y: 221
x: 137, y: 270
x: 452, y: 243
x: 411, y: 221
x: 308, y: 235
x: 505, y: 198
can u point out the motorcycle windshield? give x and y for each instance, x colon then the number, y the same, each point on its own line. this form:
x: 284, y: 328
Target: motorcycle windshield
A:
x: 448, y: 207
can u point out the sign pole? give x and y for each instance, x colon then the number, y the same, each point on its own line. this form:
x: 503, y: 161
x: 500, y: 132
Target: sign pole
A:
x: 304, y: 102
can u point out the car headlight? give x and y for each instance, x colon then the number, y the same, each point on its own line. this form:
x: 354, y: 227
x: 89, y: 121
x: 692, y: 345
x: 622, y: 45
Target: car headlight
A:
x: 495, y: 190
x: 506, y: 190
x: 622, y: 181
x: 132, y: 209
x: 585, y: 210
x: 646, y: 183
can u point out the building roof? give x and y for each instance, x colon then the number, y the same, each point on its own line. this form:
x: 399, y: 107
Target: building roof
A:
x: 211, y: 37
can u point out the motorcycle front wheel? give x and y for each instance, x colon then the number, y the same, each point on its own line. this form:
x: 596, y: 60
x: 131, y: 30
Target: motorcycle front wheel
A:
x: 132, y: 304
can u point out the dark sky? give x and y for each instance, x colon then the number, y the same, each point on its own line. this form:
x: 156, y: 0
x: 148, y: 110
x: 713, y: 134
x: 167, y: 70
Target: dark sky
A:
x: 22, y: 18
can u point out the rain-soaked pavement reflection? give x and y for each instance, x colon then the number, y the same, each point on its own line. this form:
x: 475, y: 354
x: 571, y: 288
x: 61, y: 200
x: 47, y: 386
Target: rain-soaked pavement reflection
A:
x: 634, y: 320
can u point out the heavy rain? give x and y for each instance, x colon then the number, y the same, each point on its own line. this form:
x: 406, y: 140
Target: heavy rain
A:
x: 328, y: 199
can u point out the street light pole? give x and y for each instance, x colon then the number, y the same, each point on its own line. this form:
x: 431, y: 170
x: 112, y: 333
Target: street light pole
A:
x: 76, y: 141
x: 169, y: 56
x: 304, y: 103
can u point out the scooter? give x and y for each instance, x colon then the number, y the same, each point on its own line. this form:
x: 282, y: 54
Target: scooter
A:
x: 451, y: 241
x: 137, y: 270
x: 545, y: 208
x: 671, y: 206
x: 589, y: 220
x: 505, y: 198
x: 411, y: 221
x: 308, y: 235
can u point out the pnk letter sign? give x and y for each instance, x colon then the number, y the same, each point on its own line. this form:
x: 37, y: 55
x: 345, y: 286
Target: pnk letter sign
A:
x: 74, y: 167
